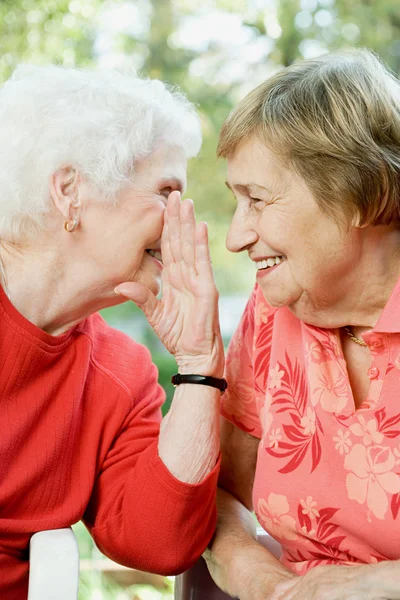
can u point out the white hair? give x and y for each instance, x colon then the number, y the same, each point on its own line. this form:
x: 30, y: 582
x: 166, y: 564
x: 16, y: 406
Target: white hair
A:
x: 99, y: 122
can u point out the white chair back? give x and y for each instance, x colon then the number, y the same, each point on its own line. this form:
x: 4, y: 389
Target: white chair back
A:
x: 53, y: 565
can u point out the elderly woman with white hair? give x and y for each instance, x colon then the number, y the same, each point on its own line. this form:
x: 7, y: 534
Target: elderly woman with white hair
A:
x: 92, y: 166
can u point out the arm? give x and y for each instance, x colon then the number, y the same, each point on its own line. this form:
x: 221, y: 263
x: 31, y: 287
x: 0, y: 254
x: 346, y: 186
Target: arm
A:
x: 237, y: 562
x: 154, y: 504
x: 186, y: 321
x: 189, y: 437
x: 139, y: 513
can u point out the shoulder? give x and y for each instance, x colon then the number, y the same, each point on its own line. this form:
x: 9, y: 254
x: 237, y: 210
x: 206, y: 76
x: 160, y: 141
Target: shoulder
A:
x: 247, y: 363
x: 118, y: 357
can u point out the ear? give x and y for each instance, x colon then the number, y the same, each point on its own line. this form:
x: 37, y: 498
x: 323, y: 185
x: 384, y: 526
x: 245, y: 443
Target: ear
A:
x: 64, y: 190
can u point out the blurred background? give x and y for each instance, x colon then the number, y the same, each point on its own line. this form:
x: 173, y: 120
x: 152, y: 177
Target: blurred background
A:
x: 215, y: 51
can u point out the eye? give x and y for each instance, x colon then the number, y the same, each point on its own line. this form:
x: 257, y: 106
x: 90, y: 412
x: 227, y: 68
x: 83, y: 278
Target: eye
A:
x: 166, y: 191
x: 256, y: 201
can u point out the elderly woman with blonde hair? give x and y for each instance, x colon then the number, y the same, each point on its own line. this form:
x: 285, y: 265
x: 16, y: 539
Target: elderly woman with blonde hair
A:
x: 92, y: 166
x: 311, y: 418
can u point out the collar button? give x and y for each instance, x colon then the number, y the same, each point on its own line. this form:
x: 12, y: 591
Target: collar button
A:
x: 373, y: 372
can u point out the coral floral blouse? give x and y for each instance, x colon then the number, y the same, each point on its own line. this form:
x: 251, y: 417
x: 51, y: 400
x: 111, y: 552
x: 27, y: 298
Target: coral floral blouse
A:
x: 327, y: 482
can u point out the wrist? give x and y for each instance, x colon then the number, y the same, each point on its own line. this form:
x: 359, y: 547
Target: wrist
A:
x: 252, y: 567
x: 206, y: 367
x: 211, y: 364
x: 257, y: 580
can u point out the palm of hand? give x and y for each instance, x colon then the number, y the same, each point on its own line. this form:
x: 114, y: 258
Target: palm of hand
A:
x: 181, y: 319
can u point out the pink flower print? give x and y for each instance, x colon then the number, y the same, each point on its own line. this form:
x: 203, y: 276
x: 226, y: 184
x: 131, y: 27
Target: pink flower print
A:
x: 343, y: 441
x: 262, y: 313
x: 396, y: 452
x: 273, y: 516
x: 244, y: 391
x: 310, y: 534
x: 373, y: 394
x: 309, y: 507
x: 331, y: 389
x: 266, y: 417
x: 274, y: 438
x: 368, y: 430
x: 308, y: 422
x: 371, y: 477
x: 313, y: 352
x: 275, y: 376
x: 241, y: 385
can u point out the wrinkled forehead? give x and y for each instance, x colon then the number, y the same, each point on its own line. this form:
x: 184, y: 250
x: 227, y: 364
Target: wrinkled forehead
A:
x: 254, y: 162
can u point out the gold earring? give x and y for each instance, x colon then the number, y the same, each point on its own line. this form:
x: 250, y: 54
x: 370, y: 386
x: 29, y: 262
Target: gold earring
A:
x: 71, y: 225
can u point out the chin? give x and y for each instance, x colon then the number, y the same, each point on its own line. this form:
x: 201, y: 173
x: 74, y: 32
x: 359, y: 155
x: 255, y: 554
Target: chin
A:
x: 274, y: 300
x: 280, y: 300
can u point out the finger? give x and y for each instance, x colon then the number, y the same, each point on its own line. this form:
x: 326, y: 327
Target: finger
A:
x: 188, y: 233
x: 203, y: 257
x: 174, y: 226
x: 140, y: 295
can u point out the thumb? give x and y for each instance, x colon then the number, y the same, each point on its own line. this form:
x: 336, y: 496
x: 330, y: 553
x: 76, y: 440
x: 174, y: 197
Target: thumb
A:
x: 140, y: 295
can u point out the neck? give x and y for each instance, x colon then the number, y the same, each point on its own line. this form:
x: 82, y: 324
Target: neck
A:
x: 51, y: 292
x: 359, y: 297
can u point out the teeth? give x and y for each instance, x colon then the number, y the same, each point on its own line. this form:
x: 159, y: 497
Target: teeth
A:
x: 156, y: 254
x: 269, y: 262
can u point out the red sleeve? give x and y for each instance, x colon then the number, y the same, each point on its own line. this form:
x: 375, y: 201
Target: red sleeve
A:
x: 247, y: 364
x: 140, y: 515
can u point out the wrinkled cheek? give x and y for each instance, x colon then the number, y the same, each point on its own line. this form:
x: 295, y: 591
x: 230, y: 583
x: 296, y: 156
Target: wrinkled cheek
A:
x: 285, y: 289
x: 312, y: 283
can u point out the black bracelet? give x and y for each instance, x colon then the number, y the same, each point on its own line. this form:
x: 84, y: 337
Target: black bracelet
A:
x: 220, y: 384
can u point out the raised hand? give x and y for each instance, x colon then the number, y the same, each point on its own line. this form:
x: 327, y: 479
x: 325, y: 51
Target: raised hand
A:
x: 186, y: 317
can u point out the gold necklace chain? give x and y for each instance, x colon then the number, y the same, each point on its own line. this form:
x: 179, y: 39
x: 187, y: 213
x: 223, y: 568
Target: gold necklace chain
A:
x: 354, y: 338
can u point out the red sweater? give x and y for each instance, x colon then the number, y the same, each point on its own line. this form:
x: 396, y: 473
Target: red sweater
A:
x: 79, y: 420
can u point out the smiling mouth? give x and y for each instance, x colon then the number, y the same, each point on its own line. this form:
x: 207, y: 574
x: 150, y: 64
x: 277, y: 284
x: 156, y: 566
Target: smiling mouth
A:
x: 155, y: 254
x: 262, y: 265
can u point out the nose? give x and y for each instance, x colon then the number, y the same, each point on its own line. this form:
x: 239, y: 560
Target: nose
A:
x: 241, y: 233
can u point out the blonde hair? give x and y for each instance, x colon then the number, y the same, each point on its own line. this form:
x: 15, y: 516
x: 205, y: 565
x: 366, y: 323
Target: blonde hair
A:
x: 336, y: 120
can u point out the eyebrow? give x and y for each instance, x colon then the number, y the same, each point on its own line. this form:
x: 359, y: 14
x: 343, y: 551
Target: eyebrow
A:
x: 171, y: 182
x: 247, y: 188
